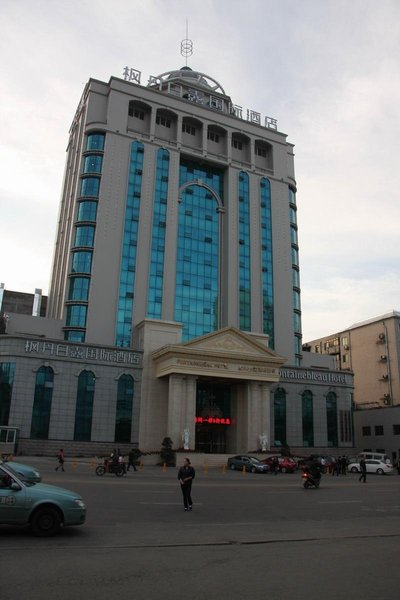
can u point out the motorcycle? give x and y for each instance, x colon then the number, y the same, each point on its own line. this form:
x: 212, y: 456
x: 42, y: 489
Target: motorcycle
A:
x: 110, y: 467
x: 311, y: 480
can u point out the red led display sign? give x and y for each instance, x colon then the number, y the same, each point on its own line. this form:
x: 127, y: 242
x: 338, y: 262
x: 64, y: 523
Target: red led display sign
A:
x: 215, y: 420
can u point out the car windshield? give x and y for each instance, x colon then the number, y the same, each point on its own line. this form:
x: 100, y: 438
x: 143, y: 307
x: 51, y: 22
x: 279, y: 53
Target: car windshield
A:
x: 20, y: 476
x: 254, y: 460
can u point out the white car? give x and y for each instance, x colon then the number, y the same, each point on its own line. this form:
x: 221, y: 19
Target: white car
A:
x: 373, y: 466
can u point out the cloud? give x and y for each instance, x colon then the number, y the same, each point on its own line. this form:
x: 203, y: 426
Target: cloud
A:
x: 328, y: 71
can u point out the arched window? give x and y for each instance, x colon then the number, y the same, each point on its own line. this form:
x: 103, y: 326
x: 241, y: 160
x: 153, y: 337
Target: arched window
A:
x: 123, y: 417
x: 331, y: 419
x: 197, y: 293
x: 307, y: 418
x: 84, y: 406
x: 6, y: 385
x: 42, y: 403
x: 280, y: 417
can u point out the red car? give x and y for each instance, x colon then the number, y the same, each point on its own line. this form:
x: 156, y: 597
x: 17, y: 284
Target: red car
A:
x: 286, y: 464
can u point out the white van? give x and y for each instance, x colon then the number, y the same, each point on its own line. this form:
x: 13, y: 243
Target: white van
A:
x: 375, y: 456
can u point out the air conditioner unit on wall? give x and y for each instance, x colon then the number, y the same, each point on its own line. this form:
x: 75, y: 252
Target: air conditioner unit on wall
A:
x: 383, y: 357
x: 385, y: 376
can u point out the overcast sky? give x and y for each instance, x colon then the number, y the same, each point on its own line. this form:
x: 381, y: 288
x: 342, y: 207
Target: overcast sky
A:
x: 327, y: 70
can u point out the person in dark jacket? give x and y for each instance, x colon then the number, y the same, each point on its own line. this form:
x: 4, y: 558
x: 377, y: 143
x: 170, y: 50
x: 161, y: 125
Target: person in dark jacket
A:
x: 132, y: 459
x: 186, y: 474
x: 363, y: 469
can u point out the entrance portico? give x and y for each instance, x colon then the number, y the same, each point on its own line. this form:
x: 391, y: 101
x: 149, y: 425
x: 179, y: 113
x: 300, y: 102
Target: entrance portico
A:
x: 218, y: 391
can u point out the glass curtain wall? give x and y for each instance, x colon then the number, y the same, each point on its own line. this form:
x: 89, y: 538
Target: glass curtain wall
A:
x: 6, y: 384
x: 129, y: 247
x: 84, y: 406
x: 42, y: 403
x: 154, y: 306
x: 244, y: 253
x: 266, y: 260
x: 197, y: 268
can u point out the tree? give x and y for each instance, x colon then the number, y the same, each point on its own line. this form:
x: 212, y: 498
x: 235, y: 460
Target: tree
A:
x: 167, y: 454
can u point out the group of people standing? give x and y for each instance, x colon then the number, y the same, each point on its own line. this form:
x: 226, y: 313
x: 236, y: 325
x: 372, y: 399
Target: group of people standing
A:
x: 338, y: 466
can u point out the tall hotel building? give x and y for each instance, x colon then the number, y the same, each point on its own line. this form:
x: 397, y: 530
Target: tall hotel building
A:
x: 174, y: 308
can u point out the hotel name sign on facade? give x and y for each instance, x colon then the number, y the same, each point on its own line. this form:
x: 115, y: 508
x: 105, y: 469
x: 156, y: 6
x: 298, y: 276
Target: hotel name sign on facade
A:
x: 208, y: 100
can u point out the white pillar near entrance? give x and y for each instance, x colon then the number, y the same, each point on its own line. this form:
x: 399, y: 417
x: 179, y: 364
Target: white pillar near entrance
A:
x: 190, y: 409
x: 253, y: 416
x: 258, y: 414
x: 265, y: 424
x: 175, y: 396
x: 181, y: 409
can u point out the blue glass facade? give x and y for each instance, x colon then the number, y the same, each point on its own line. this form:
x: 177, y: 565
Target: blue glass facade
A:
x: 244, y: 253
x: 7, y: 370
x: 307, y: 418
x: 84, y: 238
x: 81, y: 262
x: 84, y: 406
x: 123, y: 416
x: 154, y: 306
x: 42, y: 403
x: 266, y: 261
x: 129, y: 247
x: 198, y: 247
x: 92, y: 163
x: 87, y: 210
x: 295, y: 275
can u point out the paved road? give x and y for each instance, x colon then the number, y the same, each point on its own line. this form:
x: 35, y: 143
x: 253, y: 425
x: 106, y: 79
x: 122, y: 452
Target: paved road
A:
x: 249, y: 536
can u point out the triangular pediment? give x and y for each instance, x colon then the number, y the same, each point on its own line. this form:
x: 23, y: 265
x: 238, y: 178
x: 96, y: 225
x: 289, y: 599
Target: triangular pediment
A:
x: 230, y: 340
x: 226, y: 353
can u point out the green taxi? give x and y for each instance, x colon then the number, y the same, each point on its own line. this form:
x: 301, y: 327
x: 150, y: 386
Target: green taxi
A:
x: 45, y: 508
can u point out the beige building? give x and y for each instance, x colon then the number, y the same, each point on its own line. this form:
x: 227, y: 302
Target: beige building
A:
x: 371, y: 349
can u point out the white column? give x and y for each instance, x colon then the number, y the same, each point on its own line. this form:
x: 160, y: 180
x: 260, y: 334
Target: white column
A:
x: 266, y: 412
x: 175, y: 402
x: 190, y: 411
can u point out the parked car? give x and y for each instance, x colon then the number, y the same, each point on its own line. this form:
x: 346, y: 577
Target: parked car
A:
x: 373, y: 466
x: 45, y: 508
x: 250, y: 463
x: 24, y: 471
x: 286, y: 464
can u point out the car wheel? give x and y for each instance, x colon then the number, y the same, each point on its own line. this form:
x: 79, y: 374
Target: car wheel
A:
x: 354, y: 470
x: 45, y: 521
x: 283, y: 470
x: 253, y: 469
x: 380, y: 472
x: 232, y: 467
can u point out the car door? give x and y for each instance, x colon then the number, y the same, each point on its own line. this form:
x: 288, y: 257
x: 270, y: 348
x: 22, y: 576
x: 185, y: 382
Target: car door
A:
x: 246, y: 462
x: 371, y: 465
x: 13, y: 506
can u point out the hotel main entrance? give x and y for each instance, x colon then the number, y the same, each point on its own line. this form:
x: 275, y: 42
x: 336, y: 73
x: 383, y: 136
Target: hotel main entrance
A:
x: 218, y: 391
x: 213, y: 417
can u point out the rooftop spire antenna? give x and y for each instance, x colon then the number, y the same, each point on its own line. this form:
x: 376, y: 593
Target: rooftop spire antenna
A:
x: 186, y: 45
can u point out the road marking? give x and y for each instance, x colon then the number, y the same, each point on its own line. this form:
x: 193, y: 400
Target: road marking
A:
x: 341, y: 502
x: 169, y: 503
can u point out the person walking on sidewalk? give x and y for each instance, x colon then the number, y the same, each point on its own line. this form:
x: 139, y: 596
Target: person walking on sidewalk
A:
x: 61, y: 460
x: 363, y: 469
x: 132, y: 459
x: 186, y: 474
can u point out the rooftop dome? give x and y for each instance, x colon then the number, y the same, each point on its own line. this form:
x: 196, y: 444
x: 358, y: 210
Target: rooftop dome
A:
x: 189, y: 76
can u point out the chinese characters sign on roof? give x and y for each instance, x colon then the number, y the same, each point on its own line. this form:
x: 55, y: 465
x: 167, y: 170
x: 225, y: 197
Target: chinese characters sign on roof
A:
x: 203, y: 98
